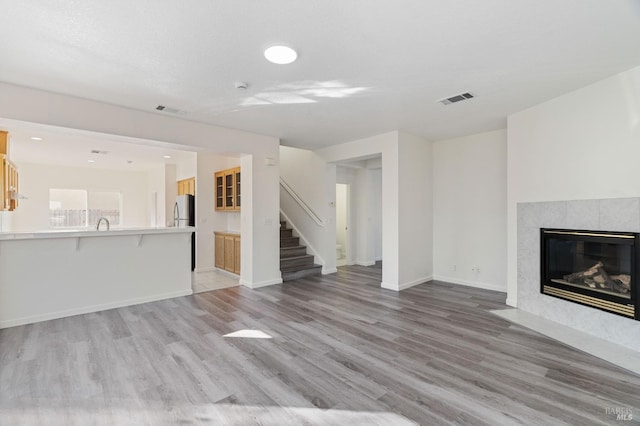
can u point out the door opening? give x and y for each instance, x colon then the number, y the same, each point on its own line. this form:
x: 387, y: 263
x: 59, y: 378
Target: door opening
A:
x: 342, y: 223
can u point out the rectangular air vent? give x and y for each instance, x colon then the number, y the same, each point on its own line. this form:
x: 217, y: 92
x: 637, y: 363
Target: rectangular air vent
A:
x: 97, y: 151
x: 170, y: 110
x: 456, y: 98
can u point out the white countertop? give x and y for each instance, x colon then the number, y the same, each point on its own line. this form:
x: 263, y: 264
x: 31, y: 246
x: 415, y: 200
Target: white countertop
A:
x: 80, y: 233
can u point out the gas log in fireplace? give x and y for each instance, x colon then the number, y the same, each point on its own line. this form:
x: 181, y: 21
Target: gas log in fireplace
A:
x: 593, y: 268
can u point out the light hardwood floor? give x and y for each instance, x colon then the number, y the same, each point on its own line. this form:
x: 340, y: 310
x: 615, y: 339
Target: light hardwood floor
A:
x: 342, y: 352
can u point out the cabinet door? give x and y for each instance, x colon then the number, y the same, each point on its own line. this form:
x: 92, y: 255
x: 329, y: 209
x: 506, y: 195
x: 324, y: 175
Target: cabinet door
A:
x: 229, y: 258
x: 219, y: 251
x: 228, y: 190
x: 236, y: 250
x: 13, y: 202
x: 236, y: 175
x: 4, y: 182
x: 219, y: 188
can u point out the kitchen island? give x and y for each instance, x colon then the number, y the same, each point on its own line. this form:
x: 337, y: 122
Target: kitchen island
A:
x: 54, y: 274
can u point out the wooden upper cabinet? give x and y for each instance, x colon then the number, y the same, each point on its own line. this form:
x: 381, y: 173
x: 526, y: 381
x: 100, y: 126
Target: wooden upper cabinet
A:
x: 187, y: 186
x: 227, y: 189
x: 218, y: 184
x: 237, y: 189
x: 4, y: 142
x: 8, y: 176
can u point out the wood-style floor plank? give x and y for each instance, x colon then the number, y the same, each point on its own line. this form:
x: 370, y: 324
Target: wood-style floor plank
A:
x: 342, y: 351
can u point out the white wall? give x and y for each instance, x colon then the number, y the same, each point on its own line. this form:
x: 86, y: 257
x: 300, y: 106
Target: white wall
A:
x: 5, y: 221
x: 156, y: 183
x: 170, y: 192
x: 365, y: 192
x: 376, y: 214
x: 261, y: 216
x: 342, y: 215
x: 415, y: 213
x: 36, y: 180
x: 583, y: 145
x: 470, y: 210
x: 260, y: 220
x: 188, y: 168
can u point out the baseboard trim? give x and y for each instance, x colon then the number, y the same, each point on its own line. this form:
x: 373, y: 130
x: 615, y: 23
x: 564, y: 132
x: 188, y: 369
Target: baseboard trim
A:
x: 225, y: 272
x: 476, y: 284
x: 365, y: 262
x: 93, y: 308
x: 406, y: 285
x: 253, y: 286
x: 512, y: 302
x: 207, y: 269
x: 329, y: 271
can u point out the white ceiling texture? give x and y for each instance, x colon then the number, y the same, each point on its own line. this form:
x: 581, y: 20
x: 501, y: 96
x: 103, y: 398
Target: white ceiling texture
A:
x: 364, y: 67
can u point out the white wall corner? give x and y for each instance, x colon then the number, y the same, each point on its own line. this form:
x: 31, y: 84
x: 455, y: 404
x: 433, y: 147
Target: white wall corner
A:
x: 404, y: 286
x: 512, y: 301
x: 260, y: 284
x: 389, y: 286
x: 365, y: 262
x: 328, y: 271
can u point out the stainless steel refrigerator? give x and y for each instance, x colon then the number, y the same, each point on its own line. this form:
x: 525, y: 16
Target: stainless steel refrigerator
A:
x: 184, y: 214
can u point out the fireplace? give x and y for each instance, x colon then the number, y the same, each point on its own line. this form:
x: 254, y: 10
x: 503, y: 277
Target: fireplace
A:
x: 593, y: 268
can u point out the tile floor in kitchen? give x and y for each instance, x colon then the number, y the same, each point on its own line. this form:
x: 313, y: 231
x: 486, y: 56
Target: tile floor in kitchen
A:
x: 213, y: 280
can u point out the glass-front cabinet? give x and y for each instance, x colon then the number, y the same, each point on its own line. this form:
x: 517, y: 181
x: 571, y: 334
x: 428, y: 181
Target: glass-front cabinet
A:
x: 227, y: 187
x: 237, y: 193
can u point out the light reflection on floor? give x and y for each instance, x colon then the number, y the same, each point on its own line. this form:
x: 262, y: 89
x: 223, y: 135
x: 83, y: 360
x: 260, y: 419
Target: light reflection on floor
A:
x: 210, y: 414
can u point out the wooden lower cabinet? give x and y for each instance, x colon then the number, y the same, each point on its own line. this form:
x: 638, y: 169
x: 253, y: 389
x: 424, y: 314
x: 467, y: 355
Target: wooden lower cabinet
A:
x: 227, y: 251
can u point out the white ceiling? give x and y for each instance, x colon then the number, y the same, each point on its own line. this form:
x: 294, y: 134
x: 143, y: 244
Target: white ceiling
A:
x: 72, y: 148
x: 365, y: 66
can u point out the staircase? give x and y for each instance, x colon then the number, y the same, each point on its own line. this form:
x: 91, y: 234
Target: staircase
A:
x: 294, y: 261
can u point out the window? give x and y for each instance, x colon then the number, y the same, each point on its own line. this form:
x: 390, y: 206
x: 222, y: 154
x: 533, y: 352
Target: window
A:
x: 69, y: 208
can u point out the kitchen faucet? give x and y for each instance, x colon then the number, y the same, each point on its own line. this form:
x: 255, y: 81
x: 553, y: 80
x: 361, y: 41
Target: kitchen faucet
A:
x: 100, y: 221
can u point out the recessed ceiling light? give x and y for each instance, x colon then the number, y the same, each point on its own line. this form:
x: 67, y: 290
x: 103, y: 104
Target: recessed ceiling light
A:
x: 166, y: 156
x: 280, y: 55
x: 35, y: 138
x: 91, y: 161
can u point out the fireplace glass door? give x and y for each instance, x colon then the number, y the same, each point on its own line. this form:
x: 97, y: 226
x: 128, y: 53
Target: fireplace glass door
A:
x: 590, y: 267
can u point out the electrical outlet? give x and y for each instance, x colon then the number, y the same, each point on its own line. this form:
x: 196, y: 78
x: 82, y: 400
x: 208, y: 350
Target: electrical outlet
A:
x: 475, y: 269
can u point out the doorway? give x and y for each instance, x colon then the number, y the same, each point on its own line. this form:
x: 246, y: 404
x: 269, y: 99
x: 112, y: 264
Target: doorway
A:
x: 342, y: 223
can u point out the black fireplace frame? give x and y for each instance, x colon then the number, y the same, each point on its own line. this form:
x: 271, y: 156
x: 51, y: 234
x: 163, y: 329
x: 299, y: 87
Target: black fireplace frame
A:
x: 628, y: 308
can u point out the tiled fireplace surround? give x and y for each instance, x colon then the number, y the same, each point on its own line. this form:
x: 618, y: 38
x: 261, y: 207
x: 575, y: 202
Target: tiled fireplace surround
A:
x: 619, y: 214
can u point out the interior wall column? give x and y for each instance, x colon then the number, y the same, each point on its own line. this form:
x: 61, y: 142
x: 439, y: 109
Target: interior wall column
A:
x: 260, y: 224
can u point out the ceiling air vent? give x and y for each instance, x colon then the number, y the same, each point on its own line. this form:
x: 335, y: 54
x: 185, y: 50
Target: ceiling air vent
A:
x: 170, y: 110
x: 456, y: 98
x: 97, y: 151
